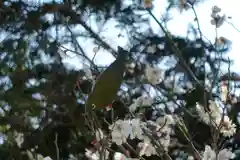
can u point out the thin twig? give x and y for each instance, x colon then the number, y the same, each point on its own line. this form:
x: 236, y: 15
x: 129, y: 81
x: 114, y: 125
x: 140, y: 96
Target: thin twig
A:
x: 159, y: 147
x: 56, y: 145
x: 98, y: 38
x: 176, y: 50
x: 134, y: 151
x: 205, y: 98
x: 81, y: 49
x: 198, y: 156
x: 233, y: 26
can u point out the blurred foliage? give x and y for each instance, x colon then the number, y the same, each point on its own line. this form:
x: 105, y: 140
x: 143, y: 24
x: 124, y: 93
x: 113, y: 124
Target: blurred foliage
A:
x: 41, y: 99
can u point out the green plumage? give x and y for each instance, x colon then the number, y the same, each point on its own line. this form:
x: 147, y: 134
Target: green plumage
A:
x: 108, y: 83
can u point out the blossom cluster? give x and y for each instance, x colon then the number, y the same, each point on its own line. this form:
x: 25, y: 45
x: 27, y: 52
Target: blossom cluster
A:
x: 215, y: 118
x: 147, y: 132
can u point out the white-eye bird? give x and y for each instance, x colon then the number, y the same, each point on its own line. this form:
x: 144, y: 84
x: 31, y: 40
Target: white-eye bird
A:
x: 108, y: 83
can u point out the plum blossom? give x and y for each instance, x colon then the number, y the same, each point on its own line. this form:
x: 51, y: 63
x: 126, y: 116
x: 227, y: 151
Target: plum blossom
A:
x: 136, y: 131
x: 209, y: 154
x: 135, y: 128
x: 153, y: 75
x: 151, y: 49
x: 215, y: 109
x: 190, y: 158
x: 146, y: 148
x: 227, y: 128
x: 224, y: 92
x: 166, y: 120
x: 122, y: 130
x: 94, y: 155
x: 161, y: 129
x: 118, y: 137
x: 217, y: 20
x: 91, y: 155
x: 213, y: 113
x: 87, y: 72
x: 99, y: 134
x: 19, y: 138
x: 141, y: 101
x: 120, y: 156
x: 214, y: 117
x: 223, y: 154
x: 47, y: 158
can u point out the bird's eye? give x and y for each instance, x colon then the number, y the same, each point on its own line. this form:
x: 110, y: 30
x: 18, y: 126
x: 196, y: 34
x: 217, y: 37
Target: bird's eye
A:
x: 93, y: 106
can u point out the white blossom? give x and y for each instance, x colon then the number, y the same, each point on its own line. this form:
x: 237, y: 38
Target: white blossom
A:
x: 87, y: 71
x: 19, y: 138
x: 47, y: 158
x: 153, y: 75
x: 169, y: 82
x: 190, y: 158
x: 151, y: 49
x: 177, y: 89
x: 225, y: 154
x: 61, y: 52
x: 141, y: 101
x: 216, y: 9
x: 224, y: 92
x: 91, y: 155
x: 208, y: 117
x: 120, y: 156
x: 217, y: 20
x: 147, y: 148
x: 126, y: 127
x: 166, y: 120
x: 227, y: 128
x: 165, y: 142
x: 136, y: 129
x: 215, y: 110
x: 133, y: 107
x: 166, y: 130
x: 214, y: 117
x: 162, y: 131
x: 118, y: 137
x: 202, y: 114
x: 154, y: 125
x: 210, y: 154
x: 145, y: 101
x: 99, y: 134
x: 120, y: 132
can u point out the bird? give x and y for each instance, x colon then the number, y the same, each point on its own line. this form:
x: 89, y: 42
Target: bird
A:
x: 108, y: 83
